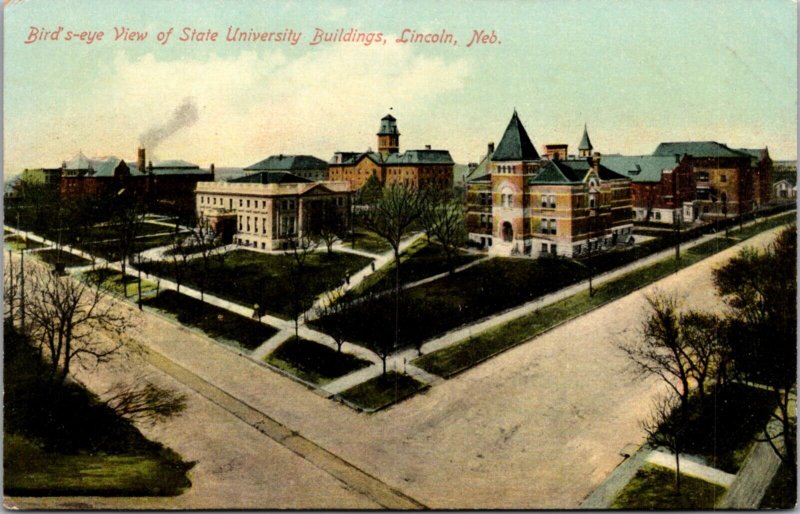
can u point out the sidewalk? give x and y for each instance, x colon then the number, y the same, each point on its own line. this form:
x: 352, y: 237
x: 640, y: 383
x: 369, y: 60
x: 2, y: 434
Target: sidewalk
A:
x: 691, y: 468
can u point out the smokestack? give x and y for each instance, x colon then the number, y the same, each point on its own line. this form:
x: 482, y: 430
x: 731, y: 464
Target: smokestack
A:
x: 212, y: 168
x: 491, y: 147
x: 150, y: 167
x: 140, y: 159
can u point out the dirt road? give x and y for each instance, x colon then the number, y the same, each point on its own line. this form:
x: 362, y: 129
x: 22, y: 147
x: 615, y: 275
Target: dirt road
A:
x: 539, y: 426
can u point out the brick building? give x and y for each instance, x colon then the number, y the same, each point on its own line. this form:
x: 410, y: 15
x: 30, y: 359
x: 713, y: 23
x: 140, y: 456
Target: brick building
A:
x: 663, y: 188
x: 519, y: 203
x: 416, y: 169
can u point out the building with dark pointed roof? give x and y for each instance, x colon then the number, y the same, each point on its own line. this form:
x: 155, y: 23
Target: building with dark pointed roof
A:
x: 585, y: 147
x: 519, y: 203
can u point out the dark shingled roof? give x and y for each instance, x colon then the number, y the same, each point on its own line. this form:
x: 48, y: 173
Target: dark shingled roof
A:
x: 585, y: 143
x: 515, y: 144
x: 482, y: 172
x: 349, y: 158
x: 388, y: 126
x: 640, y: 168
x: 420, y: 157
x: 288, y: 163
x: 270, y: 177
x: 710, y: 149
x: 570, y: 172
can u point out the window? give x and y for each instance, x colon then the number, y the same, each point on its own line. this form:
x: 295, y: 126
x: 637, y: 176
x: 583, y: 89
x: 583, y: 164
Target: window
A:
x: 544, y: 247
x: 553, y: 249
x: 263, y: 204
x: 552, y: 200
x: 723, y: 178
x: 544, y: 201
x: 543, y: 227
x: 552, y: 225
x: 248, y: 204
x: 658, y: 216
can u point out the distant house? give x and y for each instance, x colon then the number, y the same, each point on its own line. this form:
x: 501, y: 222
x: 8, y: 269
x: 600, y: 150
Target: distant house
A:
x: 519, y: 203
x: 417, y: 169
x: 305, y: 166
x: 663, y: 188
x: 784, y: 190
x: 265, y: 210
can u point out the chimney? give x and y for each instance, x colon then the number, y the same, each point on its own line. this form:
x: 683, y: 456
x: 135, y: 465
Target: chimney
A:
x: 491, y: 148
x: 212, y: 168
x: 595, y: 160
x: 677, y: 158
x: 427, y: 147
x: 140, y: 159
x: 150, y: 167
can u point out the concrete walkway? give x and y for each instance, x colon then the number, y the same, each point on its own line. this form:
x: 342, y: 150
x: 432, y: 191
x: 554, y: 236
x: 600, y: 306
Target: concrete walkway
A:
x: 602, y: 497
x: 691, y: 468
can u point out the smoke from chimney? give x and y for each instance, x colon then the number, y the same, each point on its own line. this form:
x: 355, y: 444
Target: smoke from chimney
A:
x: 185, y: 115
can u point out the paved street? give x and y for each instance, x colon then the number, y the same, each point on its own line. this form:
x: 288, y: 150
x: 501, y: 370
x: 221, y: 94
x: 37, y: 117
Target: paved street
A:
x: 539, y: 426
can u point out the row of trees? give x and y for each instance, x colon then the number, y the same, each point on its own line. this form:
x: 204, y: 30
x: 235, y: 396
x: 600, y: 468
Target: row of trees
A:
x: 754, y: 340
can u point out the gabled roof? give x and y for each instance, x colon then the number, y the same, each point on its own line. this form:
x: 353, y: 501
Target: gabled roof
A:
x: 81, y: 162
x: 420, y: 157
x: 482, y: 172
x: 585, y: 143
x: 288, y: 163
x: 640, y: 168
x: 108, y: 167
x: 709, y: 149
x: 270, y: 177
x: 515, y: 144
x: 350, y: 158
x: 571, y: 171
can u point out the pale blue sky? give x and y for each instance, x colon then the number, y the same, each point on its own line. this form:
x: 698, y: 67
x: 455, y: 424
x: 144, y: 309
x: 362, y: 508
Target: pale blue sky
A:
x: 637, y: 73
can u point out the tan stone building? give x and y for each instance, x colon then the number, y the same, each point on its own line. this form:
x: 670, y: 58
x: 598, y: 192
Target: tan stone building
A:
x: 266, y: 210
x: 416, y: 169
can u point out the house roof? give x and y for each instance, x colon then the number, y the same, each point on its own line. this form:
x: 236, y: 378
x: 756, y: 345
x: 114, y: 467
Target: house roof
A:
x: 482, y: 172
x: 585, y: 144
x: 81, y: 162
x: 420, y: 157
x: 572, y: 171
x: 288, y: 163
x: 350, y: 158
x: 106, y: 168
x: 174, y: 163
x: 710, y: 149
x: 515, y: 144
x: 640, y: 168
x: 270, y: 177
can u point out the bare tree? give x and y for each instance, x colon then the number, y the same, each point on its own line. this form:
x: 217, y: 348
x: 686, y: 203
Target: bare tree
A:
x: 704, y: 336
x: 66, y: 318
x: 332, y: 224
x: 127, y: 220
x: 448, y: 226
x: 181, y: 246
x: 300, y: 246
x: 666, y: 427
x: 392, y: 217
x: 145, y: 402
x: 663, y: 351
x: 335, y: 307
x: 206, y: 242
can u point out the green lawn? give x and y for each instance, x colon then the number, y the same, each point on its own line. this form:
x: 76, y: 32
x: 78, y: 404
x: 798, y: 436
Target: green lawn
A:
x: 420, y: 261
x: 433, y: 308
x: 382, y: 391
x: 110, y: 251
x: 314, y: 362
x: 16, y: 242
x: 53, y: 256
x: 111, y: 280
x: 224, y: 326
x: 60, y: 440
x: 653, y: 487
x: 367, y: 241
x: 469, y: 352
x: 249, y: 278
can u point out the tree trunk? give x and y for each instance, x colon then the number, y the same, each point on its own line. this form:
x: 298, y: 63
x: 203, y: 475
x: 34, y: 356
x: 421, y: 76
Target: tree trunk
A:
x: 677, y: 472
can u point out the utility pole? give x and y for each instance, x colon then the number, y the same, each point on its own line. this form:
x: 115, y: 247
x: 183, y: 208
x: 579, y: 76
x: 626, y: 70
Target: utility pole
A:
x: 22, y: 288
x: 139, y: 275
x: 11, y: 285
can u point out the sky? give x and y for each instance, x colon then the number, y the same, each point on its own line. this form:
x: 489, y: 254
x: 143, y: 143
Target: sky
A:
x: 635, y: 72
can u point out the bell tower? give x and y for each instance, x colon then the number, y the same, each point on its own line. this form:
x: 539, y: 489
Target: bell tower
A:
x: 388, y: 136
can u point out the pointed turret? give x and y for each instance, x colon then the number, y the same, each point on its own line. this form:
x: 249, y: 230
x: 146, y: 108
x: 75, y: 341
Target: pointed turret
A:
x: 585, y: 148
x: 515, y: 144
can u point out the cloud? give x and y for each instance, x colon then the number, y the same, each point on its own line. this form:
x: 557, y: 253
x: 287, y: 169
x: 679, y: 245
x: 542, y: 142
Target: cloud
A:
x: 253, y: 105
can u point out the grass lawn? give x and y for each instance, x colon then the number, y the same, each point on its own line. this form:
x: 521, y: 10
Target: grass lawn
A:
x: 313, y: 362
x: 224, y: 326
x: 250, y: 278
x: 54, y: 256
x: 109, y: 250
x: 782, y: 491
x: 469, y: 352
x: 420, y: 261
x: 16, y: 242
x: 729, y: 418
x: 61, y: 440
x: 367, y: 241
x: 111, y: 280
x: 433, y: 308
x: 653, y: 487
x: 382, y: 390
